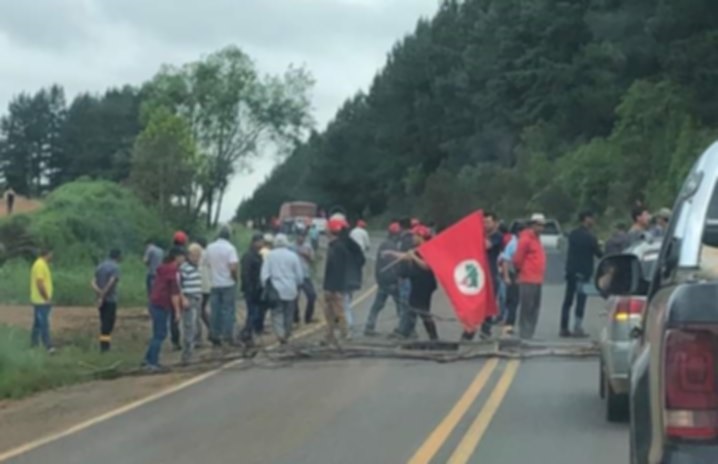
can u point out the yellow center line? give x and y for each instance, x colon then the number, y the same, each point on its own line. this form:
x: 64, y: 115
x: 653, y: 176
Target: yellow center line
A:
x: 442, y: 431
x: 473, y: 436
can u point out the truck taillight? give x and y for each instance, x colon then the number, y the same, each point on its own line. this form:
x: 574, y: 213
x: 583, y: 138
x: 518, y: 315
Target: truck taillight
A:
x: 691, y: 384
x: 627, y: 307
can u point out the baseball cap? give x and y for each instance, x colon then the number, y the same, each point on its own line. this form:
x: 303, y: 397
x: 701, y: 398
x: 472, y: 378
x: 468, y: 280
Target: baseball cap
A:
x: 538, y: 218
x: 180, y: 238
x: 421, y: 231
x: 336, y: 225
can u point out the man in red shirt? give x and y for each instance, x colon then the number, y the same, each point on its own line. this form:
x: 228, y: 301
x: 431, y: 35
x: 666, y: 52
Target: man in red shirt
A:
x: 530, y: 262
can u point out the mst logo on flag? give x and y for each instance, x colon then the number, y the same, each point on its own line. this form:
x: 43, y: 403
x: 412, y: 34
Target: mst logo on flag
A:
x: 458, y: 258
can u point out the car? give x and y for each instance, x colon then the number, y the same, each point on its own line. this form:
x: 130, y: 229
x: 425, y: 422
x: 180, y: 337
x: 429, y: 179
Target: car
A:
x: 616, y: 344
x: 673, y: 394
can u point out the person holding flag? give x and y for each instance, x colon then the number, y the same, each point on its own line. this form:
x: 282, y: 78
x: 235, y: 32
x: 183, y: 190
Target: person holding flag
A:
x: 530, y: 262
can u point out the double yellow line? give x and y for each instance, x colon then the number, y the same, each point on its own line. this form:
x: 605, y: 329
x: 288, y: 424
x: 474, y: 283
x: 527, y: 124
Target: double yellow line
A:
x: 478, y: 427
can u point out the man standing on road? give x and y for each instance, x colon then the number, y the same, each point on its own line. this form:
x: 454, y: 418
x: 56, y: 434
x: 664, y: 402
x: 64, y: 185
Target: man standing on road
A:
x: 191, y: 284
x: 335, y: 282
x: 223, y: 262
x: 251, y: 265
x: 41, y: 290
x: 361, y: 236
x: 152, y: 259
x: 107, y: 277
x: 641, y: 221
x: 406, y: 243
x: 306, y: 253
x: 9, y: 200
x: 582, y: 248
x: 283, y: 271
x: 387, y: 279
x: 530, y: 262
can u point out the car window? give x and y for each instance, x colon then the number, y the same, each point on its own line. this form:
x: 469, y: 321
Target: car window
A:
x: 551, y: 228
x: 709, y: 248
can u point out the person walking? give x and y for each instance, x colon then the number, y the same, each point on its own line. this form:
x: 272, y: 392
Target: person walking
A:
x: 354, y: 274
x: 165, y: 305
x: 387, y: 279
x: 223, y: 262
x: 282, y: 273
x: 41, y: 292
x: 509, y: 279
x: 191, y: 285
x: 105, y: 283
x: 423, y: 286
x: 152, y: 259
x: 335, y: 283
x: 251, y: 265
x: 9, y: 201
x: 306, y: 254
x: 530, y: 262
x: 583, y: 246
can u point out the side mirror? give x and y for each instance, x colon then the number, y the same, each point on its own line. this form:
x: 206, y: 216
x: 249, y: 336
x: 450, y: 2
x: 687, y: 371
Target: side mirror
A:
x: 620, y: 275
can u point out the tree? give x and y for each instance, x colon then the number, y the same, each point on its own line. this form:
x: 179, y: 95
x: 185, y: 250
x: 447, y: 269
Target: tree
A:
x: 163, y: 160
x: 233, y: 114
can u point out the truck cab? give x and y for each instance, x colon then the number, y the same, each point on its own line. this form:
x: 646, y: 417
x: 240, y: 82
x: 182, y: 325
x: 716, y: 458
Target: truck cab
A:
x: 674, y: 368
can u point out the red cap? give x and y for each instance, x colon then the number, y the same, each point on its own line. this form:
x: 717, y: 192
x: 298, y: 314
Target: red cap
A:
x: 180, y: 238
x: 361, y: 223
x: 336, y: 225
x: 415, y: 222
x: 421, y: 231
x: 394, y: 228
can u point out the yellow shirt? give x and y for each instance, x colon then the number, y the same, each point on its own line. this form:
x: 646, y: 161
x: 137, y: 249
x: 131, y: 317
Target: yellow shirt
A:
x: 40, y: 271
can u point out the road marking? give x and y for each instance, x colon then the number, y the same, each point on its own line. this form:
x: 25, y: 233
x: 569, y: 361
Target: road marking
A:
x: 476, y: 431
x: 431, y: 446
x: 22, y: 449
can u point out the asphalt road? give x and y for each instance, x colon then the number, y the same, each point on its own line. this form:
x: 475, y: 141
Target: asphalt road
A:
x: 372, y: 411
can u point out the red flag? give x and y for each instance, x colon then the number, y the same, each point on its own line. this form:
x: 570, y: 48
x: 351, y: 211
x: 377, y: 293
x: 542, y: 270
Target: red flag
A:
x: 457, y: 256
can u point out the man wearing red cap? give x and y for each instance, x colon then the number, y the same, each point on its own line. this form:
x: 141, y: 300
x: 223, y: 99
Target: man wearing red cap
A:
x: 387, y: 279
x: 180, y: 239
x: 335, y: 281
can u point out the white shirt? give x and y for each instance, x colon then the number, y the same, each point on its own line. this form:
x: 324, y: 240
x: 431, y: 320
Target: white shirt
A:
x: 361, y: 236
x: 284, y: 267
x: 221, y: 257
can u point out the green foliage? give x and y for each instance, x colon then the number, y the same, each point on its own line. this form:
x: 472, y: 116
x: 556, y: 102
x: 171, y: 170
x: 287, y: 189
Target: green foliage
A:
x: 520, y: 105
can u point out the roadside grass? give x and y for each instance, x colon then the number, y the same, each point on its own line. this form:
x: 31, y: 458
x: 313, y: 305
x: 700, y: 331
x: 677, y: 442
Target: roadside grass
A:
x: 24, y: 370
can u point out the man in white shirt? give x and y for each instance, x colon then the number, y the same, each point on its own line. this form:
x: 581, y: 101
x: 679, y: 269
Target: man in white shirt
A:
x: 222, y: 260
x: 361, y: 237
x: 282, y: 269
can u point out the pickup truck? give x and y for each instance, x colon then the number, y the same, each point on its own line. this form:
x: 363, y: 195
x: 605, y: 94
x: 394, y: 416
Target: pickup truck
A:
x: 674, y: 365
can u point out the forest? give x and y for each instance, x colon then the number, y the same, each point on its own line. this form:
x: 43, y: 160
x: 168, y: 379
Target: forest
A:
x: 517, y: 106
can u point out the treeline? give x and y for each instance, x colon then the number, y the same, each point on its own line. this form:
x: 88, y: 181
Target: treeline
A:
x: 177, y: 140
x: 520, y: 105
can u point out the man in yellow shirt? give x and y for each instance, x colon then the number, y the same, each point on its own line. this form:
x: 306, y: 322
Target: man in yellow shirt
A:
x: 41, y: 299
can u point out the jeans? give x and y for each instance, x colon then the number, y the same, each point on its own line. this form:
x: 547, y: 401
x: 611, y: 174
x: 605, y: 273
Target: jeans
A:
x: 404, y: 292
x: 222, y: 301
x: 382, y: 295
x: 108, y: 314
x: 282, y: 319
x: 408, y: 323
x: 160, y: 321
x: 348, y: 313
x: 573, y: 289
x: 253, y: 324
x: 311, y: 294
x: 41, y: 325
x: 530, y: 295
x: 190, y: 321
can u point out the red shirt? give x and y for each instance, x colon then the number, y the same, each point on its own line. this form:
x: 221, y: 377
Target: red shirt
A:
x: 165, y: 286
x: 530, y: 258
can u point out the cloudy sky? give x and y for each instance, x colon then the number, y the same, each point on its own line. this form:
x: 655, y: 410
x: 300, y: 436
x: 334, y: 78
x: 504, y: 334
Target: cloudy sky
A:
x: 88, y: 45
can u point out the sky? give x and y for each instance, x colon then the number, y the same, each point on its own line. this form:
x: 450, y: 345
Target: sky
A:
x: 89, y: 45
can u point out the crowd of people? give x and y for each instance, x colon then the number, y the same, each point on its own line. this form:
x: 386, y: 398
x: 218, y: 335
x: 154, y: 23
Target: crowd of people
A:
x: 192, y: 287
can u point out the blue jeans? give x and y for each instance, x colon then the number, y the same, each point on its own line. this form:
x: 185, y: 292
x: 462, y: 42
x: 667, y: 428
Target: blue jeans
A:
x: 382, y: 295
x: 222, y: 301
x: 161, y: 318
x: 41, y: 325
x: 255, y: 318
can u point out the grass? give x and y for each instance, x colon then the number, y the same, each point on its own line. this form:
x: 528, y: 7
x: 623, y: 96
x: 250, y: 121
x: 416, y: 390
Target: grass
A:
x: 24, y: 370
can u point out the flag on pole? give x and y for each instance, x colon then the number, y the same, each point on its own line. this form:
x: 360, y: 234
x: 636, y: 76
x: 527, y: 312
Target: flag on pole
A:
x: 458, y: 258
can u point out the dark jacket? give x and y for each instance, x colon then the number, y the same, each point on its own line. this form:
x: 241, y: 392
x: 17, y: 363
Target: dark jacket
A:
x: 355, y: 264
x: 582, y: 248
x: 251, y: 268
x: 390, y: 276
x: 335, y: 269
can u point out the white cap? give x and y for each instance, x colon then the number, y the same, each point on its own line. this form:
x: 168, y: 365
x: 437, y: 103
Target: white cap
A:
x: 338, y: 216
x: 538, y: 218
x: 281, y: 240
x: 268, y: 238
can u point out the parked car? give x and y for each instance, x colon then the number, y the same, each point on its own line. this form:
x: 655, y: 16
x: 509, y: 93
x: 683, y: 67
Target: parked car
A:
x: 674, y: 370
x: 616, y: 343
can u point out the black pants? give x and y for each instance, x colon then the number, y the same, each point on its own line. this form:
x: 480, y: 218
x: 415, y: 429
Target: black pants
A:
x: 108, y: 315
x: 530, y: 296
x: 512, y: 302
x: 175, y: 332
x: 573, y: 283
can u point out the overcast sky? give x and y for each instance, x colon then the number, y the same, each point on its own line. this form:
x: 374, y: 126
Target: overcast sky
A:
x: 89, y: 45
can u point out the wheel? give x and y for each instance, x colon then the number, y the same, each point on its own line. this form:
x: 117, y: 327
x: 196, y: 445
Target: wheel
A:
x: 616, y: 405
x: 602, y: 380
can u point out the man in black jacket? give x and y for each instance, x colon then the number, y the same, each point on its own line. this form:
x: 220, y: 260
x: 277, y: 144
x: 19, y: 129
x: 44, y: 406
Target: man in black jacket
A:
x: 387, y: 279
x: 582, y: 248
x: 335, y: 281
x: 251, y: 268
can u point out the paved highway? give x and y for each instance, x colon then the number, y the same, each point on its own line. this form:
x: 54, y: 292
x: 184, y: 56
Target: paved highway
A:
x: 371, y: 411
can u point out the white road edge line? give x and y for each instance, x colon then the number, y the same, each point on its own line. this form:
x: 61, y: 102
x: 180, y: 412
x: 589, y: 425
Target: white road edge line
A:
x: 22, y: 449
